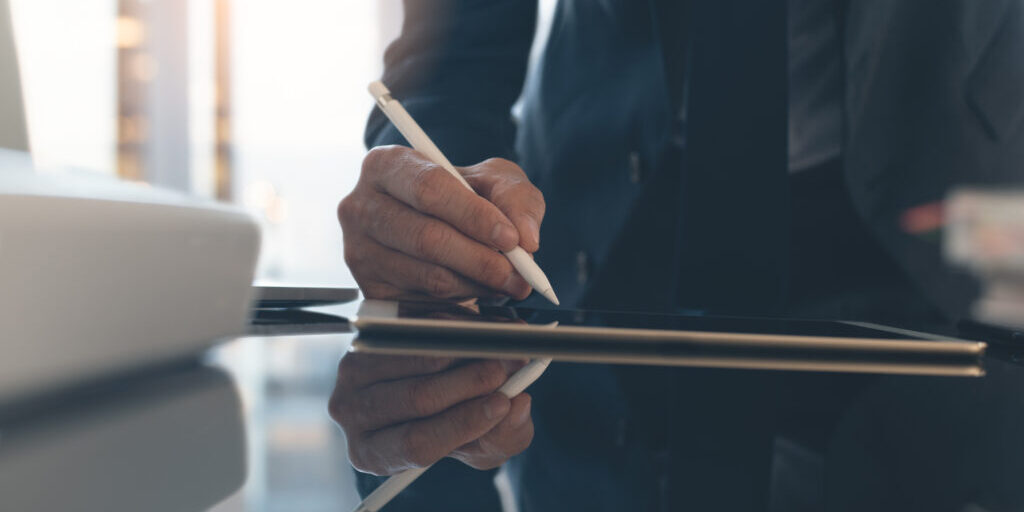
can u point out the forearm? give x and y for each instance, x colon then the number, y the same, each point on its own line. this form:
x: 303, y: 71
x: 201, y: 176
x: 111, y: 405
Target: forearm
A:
x: 458, y: 67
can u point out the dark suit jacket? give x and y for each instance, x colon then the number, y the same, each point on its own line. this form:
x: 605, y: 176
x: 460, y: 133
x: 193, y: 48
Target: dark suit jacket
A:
x: 934, y: 97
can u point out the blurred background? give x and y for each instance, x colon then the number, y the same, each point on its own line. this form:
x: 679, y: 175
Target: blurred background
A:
x: 258, y: 103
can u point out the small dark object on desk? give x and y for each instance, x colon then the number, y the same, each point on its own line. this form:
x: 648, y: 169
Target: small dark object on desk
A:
x: 296, y: 297
x: 289, y: 322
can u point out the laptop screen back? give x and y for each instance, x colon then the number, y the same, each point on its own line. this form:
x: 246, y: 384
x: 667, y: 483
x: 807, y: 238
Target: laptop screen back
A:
x: 13, y: 134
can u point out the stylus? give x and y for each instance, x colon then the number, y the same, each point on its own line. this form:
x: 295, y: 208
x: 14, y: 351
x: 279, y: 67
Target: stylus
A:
x: 515, y: 385
x: 412, y: 132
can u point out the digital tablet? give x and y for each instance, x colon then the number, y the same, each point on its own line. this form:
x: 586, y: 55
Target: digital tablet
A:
x: 442, y: 329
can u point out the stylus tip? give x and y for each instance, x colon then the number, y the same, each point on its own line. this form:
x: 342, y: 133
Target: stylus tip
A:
x: 549, y: 294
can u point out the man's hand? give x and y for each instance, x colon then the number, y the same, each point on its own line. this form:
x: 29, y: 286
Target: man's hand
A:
x: 412, y: 230
x: 402, y: 412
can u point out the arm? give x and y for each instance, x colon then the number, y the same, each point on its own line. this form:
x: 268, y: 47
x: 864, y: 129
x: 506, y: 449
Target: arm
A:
x: 458, y: 67
x: 412, y: 230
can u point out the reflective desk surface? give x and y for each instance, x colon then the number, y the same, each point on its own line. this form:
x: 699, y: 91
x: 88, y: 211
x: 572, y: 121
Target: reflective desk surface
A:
x: 247, y: 428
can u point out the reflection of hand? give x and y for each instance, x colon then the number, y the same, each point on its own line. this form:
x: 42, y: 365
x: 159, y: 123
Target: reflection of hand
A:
x: 402, y: 412
x: 412, y: 230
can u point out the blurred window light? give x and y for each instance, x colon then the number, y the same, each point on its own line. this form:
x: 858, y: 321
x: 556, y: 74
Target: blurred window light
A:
x: 67, y: 57
x: 130, y: 32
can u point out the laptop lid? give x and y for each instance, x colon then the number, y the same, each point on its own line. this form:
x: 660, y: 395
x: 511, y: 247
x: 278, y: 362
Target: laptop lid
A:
x: 13, y: 134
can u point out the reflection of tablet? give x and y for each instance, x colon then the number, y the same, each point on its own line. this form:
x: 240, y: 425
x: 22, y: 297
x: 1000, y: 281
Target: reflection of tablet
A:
x: 666, y: 340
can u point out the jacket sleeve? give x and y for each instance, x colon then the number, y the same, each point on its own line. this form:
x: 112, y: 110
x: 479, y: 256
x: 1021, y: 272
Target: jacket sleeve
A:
x: 458, y: 67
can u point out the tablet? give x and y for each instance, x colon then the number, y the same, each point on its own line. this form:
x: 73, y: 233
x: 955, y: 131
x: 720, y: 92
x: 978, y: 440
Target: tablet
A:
x: 441, y: 329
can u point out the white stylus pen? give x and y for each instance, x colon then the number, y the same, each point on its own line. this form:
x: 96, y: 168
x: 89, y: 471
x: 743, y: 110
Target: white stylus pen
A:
x: 412, y: 132
x: 515, y: 385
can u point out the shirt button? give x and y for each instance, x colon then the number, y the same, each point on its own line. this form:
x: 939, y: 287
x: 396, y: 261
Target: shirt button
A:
x: 635, y: 168
x: 582, y: 267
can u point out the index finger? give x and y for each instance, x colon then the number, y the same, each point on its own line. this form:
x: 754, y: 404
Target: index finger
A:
x: 407, y: 176
x: 506, y: 186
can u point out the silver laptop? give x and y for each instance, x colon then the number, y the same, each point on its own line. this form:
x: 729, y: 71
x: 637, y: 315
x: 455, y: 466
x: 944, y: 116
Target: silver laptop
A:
x: 101, y: 277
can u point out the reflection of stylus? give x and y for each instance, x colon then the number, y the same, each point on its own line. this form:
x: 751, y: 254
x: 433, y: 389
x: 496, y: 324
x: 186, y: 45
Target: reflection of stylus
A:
x: 412, y: 132
x: 515, y: 385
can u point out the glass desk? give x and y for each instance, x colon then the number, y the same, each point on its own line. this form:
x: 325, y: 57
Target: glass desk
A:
x: 247, y: 428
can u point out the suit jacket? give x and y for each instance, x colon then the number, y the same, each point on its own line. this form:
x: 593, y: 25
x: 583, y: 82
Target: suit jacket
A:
x: 934, y: 97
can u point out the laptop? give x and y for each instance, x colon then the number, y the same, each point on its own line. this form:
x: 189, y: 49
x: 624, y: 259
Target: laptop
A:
x: 101, y: 277
x: 13, y: 134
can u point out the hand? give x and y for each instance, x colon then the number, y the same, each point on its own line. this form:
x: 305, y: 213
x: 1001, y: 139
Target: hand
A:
x: 402, y: 412
x: 413, y: 231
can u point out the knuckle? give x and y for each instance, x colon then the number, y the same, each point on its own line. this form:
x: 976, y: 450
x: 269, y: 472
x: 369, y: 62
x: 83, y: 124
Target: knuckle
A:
x: 538, y: 199
x: 494, y: 270
x: 430, y: 238
x: 422, y: 401
x: 346, y: 409
x: 525, y: 440
x: 441, y: 283
x: 376, y: 158
x: 379, y: 216
x: 350, y: 209
x: 415, y: 448
x: 489, y: 375
x: 504, y: 165
x: 335, y: 409
x: 354, y: 257
x: 346, y: 368
x: 529, y: 195
x: 429, y: 187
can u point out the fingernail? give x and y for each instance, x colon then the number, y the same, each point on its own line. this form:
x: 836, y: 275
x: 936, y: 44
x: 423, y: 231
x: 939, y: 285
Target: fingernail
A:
x: 521, y: 417
x: 504, y: 236
x: 496, y: 406
x: 533, y: 231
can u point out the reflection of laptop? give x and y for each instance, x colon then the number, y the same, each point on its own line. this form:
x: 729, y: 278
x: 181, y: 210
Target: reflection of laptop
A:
x: 169, y: 441
x: 12, y: 111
